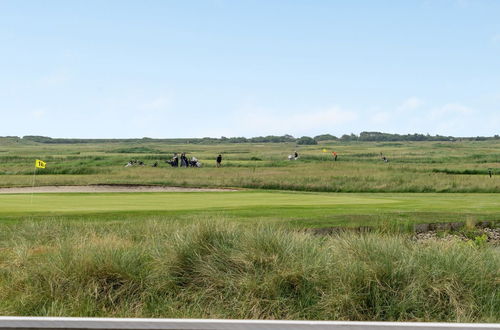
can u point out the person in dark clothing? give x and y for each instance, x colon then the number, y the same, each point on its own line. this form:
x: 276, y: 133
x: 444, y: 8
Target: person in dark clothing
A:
x: 219, y: 160
x: 490, y: 172
x: 175, y: 161
x: 296, y: 154
x: 155, y: 164
x: 184, y: 160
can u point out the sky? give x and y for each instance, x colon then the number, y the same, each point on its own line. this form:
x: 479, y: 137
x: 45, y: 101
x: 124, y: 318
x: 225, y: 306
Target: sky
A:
x: 169, y: 69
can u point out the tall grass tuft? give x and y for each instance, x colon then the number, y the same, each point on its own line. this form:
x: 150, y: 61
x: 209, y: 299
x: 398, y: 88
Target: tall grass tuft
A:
x: 216, y: 269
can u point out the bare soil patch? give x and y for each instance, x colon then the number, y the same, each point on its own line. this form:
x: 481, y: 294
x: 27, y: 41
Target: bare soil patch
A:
x: 103, y: 189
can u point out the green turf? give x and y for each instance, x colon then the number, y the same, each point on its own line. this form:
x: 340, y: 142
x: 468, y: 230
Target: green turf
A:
x: 297, y: 209
x: 460, y: 167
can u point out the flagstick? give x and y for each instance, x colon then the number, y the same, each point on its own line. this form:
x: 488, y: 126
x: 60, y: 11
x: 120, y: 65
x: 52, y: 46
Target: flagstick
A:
x: 33, y: 188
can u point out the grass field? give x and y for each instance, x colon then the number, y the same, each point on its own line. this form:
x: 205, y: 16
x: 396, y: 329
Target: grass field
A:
x: 193, y: 254
x: 413, y: 166
x: 293, y: 208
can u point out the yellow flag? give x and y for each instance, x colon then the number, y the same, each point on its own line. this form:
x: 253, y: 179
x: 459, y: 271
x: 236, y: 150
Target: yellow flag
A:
x: 39, y: 163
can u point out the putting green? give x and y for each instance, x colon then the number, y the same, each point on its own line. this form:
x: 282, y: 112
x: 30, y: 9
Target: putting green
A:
x: 170, y: 201
x: 246, y: 202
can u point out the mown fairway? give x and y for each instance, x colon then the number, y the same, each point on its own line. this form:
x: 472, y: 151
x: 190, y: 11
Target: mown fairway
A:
x: 293, y: 208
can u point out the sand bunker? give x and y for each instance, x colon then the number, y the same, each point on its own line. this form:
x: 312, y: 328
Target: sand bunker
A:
x: 103, y: 189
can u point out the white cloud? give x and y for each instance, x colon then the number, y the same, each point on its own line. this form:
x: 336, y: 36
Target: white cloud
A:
x: 493, y: 124
x: 413, y: 115
x: 450, y: 109
x: 133, y: 104
x: 38, y: 113
x: 381, y: 117
x: 411, y: 103
x: 139, y: 114
x: 55, y: 78
x: 448, y: 119
x: 266, y: 122
x: 464, y: 4
x: 158, y: 103
x: 452, y: 119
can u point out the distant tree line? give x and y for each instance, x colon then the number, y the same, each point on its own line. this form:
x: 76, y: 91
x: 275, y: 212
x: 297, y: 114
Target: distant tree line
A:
x: 304, y: 140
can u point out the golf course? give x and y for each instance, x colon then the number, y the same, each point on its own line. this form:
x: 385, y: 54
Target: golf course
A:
x: 204, y: 164
x: 312, y: 237
x: 422, y: 182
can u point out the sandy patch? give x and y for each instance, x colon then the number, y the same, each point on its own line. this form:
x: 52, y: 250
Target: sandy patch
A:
x: 103, y: 189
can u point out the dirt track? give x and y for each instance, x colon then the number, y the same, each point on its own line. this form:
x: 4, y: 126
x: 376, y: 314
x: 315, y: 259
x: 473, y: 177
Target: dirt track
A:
x: 102, y: 189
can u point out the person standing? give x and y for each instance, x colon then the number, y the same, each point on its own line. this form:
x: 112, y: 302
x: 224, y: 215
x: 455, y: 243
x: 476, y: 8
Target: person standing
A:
x: 334, y: 156
x: 175, y: 160
x: 219, y: 161
x: 184, y: 160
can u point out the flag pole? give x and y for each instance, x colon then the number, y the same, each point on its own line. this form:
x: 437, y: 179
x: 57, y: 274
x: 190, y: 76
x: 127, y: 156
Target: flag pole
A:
x: 33, y: 187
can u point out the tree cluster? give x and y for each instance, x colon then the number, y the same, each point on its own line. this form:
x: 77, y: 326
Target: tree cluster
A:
x: 304, y: 140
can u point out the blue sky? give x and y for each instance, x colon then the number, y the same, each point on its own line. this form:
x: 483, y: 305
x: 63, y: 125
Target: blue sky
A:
x: 119, y: 69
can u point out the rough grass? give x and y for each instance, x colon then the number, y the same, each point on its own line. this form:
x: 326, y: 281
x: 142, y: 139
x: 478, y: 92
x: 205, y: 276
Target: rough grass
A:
x: 213, y: 269
x: 412, y: 167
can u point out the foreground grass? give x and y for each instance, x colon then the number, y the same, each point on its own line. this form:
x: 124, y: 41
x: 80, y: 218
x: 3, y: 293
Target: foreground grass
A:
x: 214, y: 269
